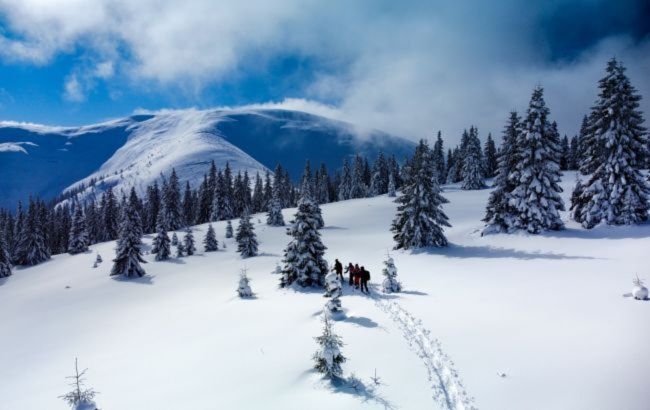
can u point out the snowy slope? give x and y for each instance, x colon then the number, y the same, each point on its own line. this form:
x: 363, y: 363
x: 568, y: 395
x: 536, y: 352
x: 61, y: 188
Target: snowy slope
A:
x: 133, y: 151
x: 516, y: 321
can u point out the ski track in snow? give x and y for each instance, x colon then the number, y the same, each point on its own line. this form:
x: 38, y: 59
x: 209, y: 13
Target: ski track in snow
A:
x: 448, y: 389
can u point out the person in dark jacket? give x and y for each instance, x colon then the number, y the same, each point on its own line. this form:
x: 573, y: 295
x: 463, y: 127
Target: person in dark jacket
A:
x: 338, y: 268
x: 350, y: 271
x: 365, y: 277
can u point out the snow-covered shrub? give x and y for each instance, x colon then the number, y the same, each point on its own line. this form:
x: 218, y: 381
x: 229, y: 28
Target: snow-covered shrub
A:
x: 210, y: 242
x: 328, y: 357
x: 390, y: 283
x: 244, y: 289
x: 639, y: 292
x: 174, y: 239
x: 229, y: 229
x: 99, y: 259
x: 334, y: 290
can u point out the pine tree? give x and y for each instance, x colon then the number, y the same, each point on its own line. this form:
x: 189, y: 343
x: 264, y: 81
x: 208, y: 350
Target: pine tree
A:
x: 31, y: 248
x: 328, y: 358
x: 245, y: 237
x: 188, y: 203
x: 111, y: 215
x: 303, y: 256
x: 379, y: 178
x: 162, y: 244
x: 78, y: 242
x: 419, y: 218
x: 616, y: 193
x: 5, y: 260
x: 439, y: 159
x: 174, y: 239
x: 358, y: 187
x: 390, y: 283
x: 391, y: 186
x: 257, y: 201
x: 573, y: 153
x: 333, y: 290
x: 172, y: 203
x: 565, y: 152
x: 188, y: 242
x: 180, y: 249
x: 210, y: 242
x: 472, y: 172
x: 537, y: 195
x: 79, y: 398
x: 229, y: 229
x: 152, y: 208
x: 128, y: 255
x: 490, y: 158
x: 501, y: 215
x: 274, y: 217
x: 346, y: 182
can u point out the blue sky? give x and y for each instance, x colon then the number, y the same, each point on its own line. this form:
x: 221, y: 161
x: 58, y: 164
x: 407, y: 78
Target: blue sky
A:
x: 406, y: 67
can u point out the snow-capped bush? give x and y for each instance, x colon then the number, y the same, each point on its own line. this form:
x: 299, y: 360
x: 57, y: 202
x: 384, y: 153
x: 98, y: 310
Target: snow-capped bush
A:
x: 639, y: 292
x: 328, y: 358
x: 390, y: 283
x: 244, y: 289
x: 334, y: 290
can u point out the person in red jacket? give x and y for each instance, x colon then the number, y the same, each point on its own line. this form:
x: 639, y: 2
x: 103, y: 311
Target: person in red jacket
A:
x: 357, y: 275
x: 350, y: 271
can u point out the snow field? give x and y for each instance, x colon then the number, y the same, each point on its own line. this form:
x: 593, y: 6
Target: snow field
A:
x: 526, y: 321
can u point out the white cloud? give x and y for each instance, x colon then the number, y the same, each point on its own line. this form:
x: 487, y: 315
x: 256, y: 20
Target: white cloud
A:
x: 406, y: 67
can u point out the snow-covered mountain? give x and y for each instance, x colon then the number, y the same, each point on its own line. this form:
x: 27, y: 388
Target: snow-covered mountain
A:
x: 134, y: 151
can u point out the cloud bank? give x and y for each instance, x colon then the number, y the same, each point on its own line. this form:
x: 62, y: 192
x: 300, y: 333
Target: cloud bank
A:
x: 410, y: 68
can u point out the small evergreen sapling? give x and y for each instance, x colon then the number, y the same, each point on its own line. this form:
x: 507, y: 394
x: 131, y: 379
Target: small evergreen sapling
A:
x: 328, y: 357
x: 229, y: 229
x: 390, y: 283
x: 180, y: 249
x: 162, y: 244
x: 333, y: 289
x: 639, y: 292
x: 99, y: 259
x: 79, y: 398
x: 174, y: 239
x: 210, y: 242
x: 128, y: 256
x: 244, y: 289
x: 188, y: 242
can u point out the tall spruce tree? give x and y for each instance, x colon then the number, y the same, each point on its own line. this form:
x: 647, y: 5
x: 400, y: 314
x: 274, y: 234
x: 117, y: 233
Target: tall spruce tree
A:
x: 537, y: 194
x: 346, y: 182
x: 245, y: 237
x: 111, y: 216
x: 472, y: 170
x: 172, y: 211
x: 439, y: 159
x: 78, y: 242
x: 616, y: 193
x: 161, y: 243
x: 419, y: 219
x: 303, y: 257
x: 501, y: 215
x: 490, y: 158
x: 188, y: 242
x: 358, y: 187
x: 128, y: 255
x: 32, y: 248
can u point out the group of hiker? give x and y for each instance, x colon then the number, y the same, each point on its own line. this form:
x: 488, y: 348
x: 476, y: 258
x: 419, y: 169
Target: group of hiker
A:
x: 358, y: 275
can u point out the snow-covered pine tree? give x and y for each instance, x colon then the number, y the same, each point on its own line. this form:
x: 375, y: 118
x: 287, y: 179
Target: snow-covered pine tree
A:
x: 472, y: 169
x: 78, y: 242
x: 245, y: 237
x: 537, y: 195
x: 210, y: 241
x: 188, y: 242
x: 5, y: 260
x: 303, y: 257
x: 128, y: 255
x: 439, y: 159
x: 31, y: 245
x: 229, y: 231
x: 110, y: 215
x: 379, y: 177
x: 346, y: 181
x: 573, y: 153
x: 501, y: 215
x: 391, y: 186
x: 490, y: 158
x: 358, y: 187
x: 333, y: 290
x: 322, y: 185
x: 257, y: 200
x: 390, y: 283
x: 174, y: 239
x: 162, y: 244
x: 565, y: 152
x: 578, y: 201
x: 616, y: 193
x: 80, y: 398
x: 419, y: 218
x: 172, y: 210
x: 328, y: 358
x: 244, y: 289
x: 274, y: 216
